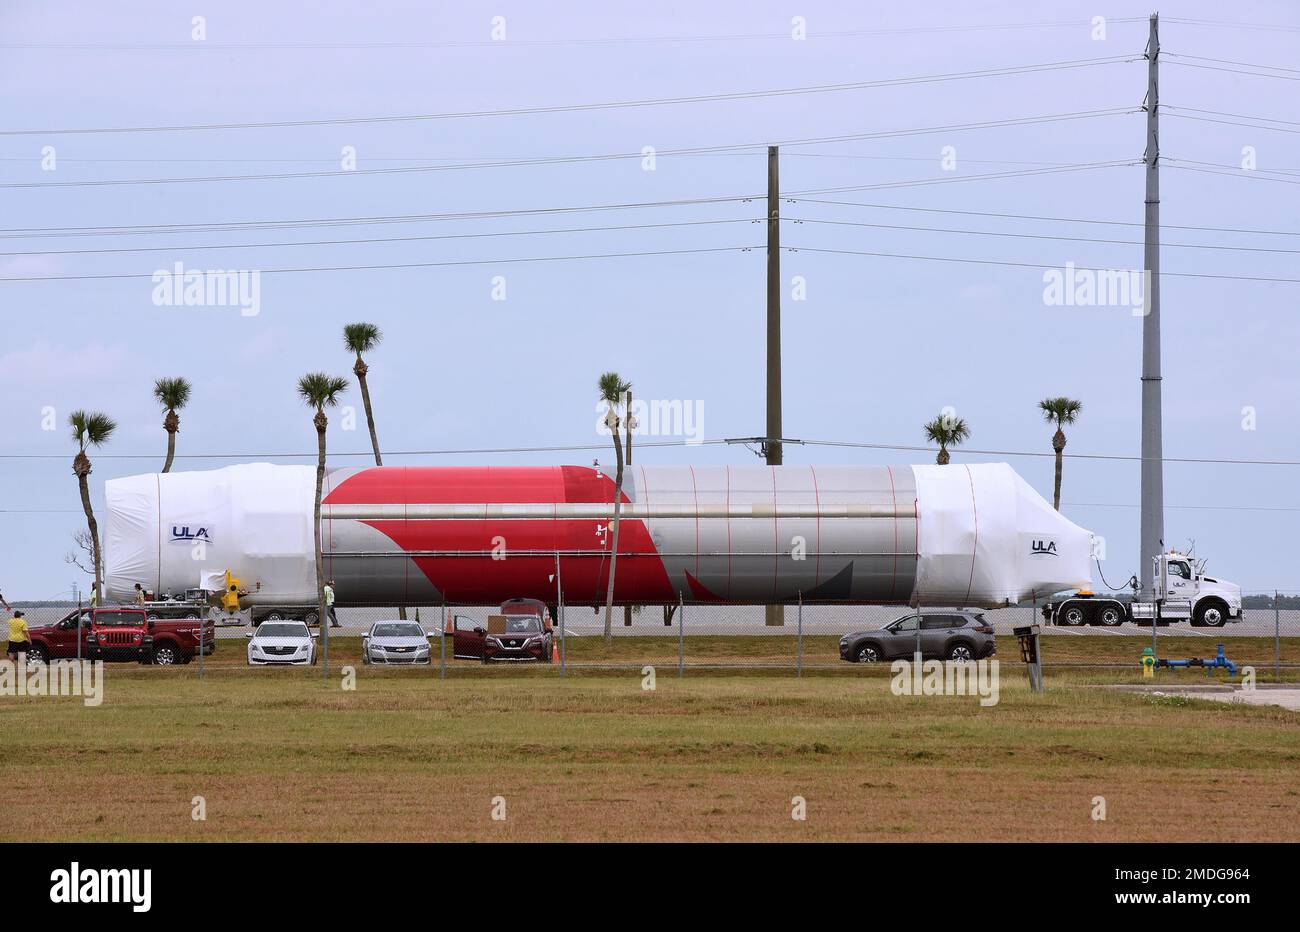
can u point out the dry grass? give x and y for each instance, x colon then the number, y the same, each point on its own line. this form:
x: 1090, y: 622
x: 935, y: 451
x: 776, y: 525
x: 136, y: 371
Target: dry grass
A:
x: 283, y: 755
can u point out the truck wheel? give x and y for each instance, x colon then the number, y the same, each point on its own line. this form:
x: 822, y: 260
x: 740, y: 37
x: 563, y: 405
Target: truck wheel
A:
x: 37, y: 654
x: 311, y: 618
x: 1211, y: 613
x: 166, y: 655
x: 1073, y: 616
x: 1110, y: 617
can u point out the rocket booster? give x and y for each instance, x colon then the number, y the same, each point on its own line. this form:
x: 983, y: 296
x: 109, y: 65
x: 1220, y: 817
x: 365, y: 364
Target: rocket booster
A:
x: 973, y: 536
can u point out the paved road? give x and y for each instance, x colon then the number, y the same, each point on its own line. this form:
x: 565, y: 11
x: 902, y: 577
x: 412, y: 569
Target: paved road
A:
x: 1286, y: 697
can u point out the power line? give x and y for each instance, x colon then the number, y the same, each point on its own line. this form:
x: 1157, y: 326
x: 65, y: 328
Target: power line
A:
x: 988, y: 176
x: 1224, y: 61
x: 577, y: 159
x: 1248, y: 174
x: 239, y: 226
x: 1253, y: 74
x: 1270, y: 27
x: 399, y: 265
x: 576, y: 448
x: 381, y: 239
x: 1239, y: 116
x: 609, y: 105
x: 1041, y: 217
x: 1202, y: 119
x: 1036, y: 236
x: 534, y: 43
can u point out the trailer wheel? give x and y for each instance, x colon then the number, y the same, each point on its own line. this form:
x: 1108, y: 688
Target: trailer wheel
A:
x: 272, y: 616
x: 1073, y: 616
x: 1110, y: 617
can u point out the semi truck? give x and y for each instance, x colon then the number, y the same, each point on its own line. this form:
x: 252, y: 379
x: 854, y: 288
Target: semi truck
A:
x: 1181, y: 592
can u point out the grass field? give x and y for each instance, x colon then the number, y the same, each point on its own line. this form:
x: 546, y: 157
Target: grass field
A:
x: 282, y: 754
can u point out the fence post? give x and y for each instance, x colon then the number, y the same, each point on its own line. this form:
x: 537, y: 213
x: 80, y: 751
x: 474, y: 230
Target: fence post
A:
x: 1277, y: 636
x: 681, y: 635
x: 442, y: 641
x: 559, y: 601
x: 203, y: 624
x: 798, y: 662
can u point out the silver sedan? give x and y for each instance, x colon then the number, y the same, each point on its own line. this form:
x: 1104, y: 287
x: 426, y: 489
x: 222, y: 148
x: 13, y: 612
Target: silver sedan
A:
x: 394, y: 642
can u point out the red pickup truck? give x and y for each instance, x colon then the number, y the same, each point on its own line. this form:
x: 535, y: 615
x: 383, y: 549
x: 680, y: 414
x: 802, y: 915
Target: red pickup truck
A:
x: 121, y: 633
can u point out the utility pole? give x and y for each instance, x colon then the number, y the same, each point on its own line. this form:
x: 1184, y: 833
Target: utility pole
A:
x: 772, y: 448
x: 775, y: 614
x: 1153, y: 491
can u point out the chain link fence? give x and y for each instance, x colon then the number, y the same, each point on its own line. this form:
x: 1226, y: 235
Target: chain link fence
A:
x: 799, y: 636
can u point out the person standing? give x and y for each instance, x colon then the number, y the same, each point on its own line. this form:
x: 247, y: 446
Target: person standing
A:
x: 20, y: 640
x: 329, y: 604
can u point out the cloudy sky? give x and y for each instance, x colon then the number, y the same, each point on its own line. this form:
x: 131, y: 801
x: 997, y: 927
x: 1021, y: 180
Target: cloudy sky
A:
x: 483, y: 352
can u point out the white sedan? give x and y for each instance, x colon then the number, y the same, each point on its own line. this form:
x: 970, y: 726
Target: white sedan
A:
x: 281, y: 643
x: 395, y: 642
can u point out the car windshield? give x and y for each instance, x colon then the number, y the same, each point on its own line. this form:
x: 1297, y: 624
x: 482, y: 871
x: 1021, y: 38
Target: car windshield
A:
x: 523, y: 624
x: 282, y: 629
x: 398, y: 630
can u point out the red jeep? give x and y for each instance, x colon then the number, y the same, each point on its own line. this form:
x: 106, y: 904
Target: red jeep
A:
x: 121, y: 633
x: 522, y: 631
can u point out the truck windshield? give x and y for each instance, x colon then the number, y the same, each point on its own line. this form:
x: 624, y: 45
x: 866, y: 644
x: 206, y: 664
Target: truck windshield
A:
x: 131, y: 619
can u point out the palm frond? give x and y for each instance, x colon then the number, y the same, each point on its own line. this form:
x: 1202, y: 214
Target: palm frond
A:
x: 320, y: 390
x: 91, y: 427
x: 612, y: 388
x: 172, y: 393
x: 361, y: 337
x: 1061, y: 410
x: 946, y: 431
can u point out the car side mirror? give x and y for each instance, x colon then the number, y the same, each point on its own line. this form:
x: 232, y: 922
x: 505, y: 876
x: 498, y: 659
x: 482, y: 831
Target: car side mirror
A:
x: 479, y: 631
x: 365, y: 636
x: 151, y: 624
x: 248, y: 634
x: 315, y: 634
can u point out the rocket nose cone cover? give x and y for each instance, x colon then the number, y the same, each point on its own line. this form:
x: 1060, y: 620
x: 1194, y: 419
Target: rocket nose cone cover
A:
x: 987, y: 538
x: 131, y: 535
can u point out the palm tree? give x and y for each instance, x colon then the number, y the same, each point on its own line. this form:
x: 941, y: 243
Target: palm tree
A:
x: 948, y: 431
x: 172, y: 394
x: 321, y: 391
x: 362, y: 338
x: 1059, y: 411
x: 93, y: 428
x: 613, y: 391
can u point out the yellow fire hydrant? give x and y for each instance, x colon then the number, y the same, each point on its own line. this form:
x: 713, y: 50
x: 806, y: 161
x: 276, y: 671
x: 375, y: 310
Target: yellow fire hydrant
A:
x: 1148, y: 663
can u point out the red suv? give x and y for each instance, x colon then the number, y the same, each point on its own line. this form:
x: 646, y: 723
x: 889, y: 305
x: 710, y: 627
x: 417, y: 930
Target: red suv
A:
x: 522, y: 631
x: 122, y: 633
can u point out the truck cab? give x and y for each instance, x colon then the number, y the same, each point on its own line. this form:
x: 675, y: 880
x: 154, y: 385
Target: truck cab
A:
x: 1185, y: 593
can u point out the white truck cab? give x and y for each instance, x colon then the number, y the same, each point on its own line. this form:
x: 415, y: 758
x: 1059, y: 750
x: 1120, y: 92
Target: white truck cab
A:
x: 1185, y: 593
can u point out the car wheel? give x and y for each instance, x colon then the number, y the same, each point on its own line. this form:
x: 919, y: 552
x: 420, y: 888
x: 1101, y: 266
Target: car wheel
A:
x: 37, y: 654
x: 1110, y: 617
x: 1073, y: 616
x: 868, y: 653
x: 166, y: 655
x: 961, y: 653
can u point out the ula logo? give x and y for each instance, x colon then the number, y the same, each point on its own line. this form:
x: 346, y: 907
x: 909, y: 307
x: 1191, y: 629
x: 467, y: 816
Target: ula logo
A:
x: 183, y: 532
x: 1044, y: 546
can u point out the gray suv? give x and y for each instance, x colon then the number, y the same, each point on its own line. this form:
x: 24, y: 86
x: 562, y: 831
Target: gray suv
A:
x: 948, y: 635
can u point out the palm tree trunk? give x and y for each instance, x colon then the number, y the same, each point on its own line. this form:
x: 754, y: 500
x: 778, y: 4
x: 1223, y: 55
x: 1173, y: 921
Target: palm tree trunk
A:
x: 171, y: 450
x: 321, y: 617
x: 613, y: 557
x: 943, y: 458
x: 370, y: 414
x: 94, y: 538
x: 1058, y: 444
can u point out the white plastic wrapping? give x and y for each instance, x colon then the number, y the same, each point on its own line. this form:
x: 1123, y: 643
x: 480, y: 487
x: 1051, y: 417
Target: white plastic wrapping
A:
x: 987, y: 538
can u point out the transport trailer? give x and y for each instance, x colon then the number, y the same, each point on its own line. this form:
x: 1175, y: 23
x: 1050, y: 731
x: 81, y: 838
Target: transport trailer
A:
x: 973, y: 536
x: 1182, y: 593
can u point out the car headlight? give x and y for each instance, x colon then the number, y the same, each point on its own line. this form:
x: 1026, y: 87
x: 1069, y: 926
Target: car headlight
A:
x: 532, y: 641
